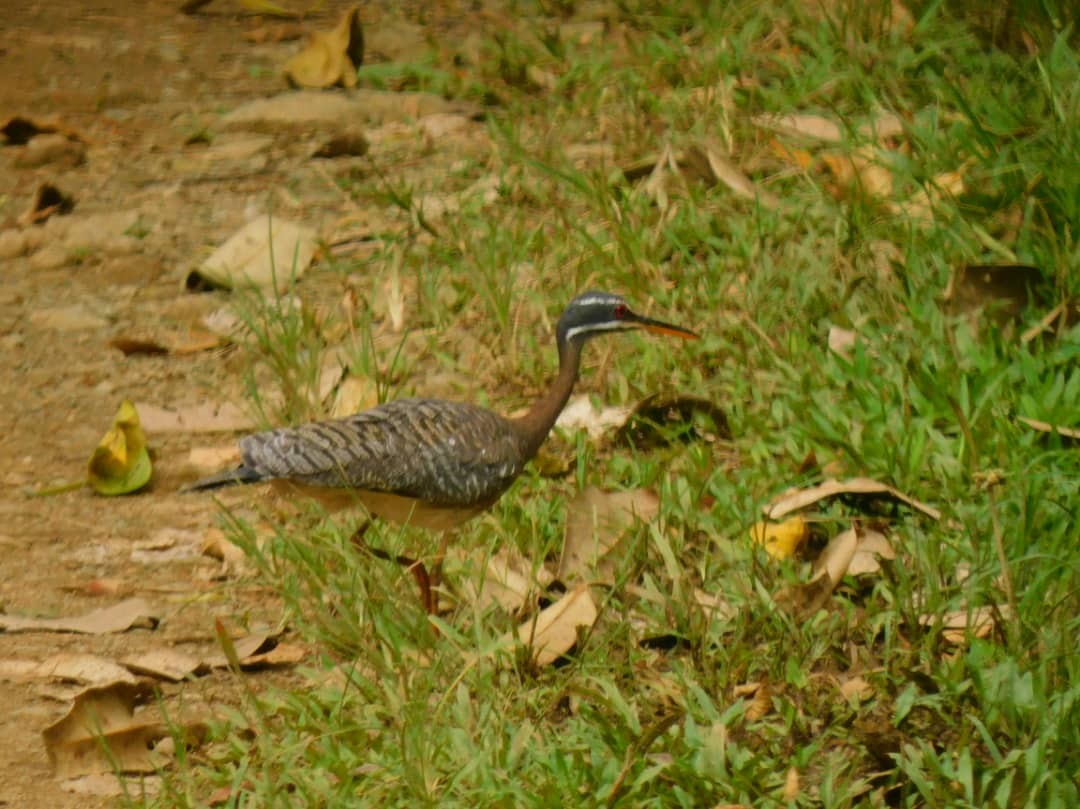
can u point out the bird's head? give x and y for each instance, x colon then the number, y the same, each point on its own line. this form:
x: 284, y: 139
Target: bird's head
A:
x: 593, y: 313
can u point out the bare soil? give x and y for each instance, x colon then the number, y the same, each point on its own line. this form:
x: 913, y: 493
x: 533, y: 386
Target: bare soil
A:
x: 135, y: 81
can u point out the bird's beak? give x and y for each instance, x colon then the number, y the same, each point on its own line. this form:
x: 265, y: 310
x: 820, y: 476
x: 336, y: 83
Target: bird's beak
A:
x: 660, y: 327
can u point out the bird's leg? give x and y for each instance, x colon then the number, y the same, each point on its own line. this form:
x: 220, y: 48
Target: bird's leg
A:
x: 414, y: 566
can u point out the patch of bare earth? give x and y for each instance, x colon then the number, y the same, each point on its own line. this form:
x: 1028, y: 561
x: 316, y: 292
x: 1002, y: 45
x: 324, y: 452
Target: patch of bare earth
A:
x: 130, y: 83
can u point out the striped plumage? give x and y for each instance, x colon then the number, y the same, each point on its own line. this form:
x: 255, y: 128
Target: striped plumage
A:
x: 429, y: 462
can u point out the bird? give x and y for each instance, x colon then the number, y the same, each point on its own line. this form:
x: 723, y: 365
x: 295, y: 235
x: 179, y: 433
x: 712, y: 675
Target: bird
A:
x: 429, y: 463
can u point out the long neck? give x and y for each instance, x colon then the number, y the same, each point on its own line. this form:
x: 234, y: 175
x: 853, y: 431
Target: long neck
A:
x: 537, y: 423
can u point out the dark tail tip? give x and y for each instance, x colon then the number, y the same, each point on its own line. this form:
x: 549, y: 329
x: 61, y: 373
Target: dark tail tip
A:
x: 230, y: 477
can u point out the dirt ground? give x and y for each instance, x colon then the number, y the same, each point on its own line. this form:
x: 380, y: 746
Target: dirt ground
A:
x: 134, y: 81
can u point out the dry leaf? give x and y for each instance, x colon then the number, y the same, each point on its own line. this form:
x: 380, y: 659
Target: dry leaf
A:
x: 800, y: 158
x: 354, y: 394
x: 861, y: 169
x: 841, y: 341
x: 268, y: 252
x: 596, y: 523
x: 712, y: 167
x: 554, y: 631
x: 829, y: 569
x: 85, y: 669
x: 19, y: 129
x: 580, y: 414
x: 959, y: 626
x: 330, y: 58
x: 509, y: 581
x: 132, y: 613
x: 856, y: 689
x: 202, y: 418
x: 801, y: 498
x: 791, y: 786
x: 106, y: 716
x: 835, y: 560
x: 920, y: 206
x: 872, y: 548
x: 121, y: 462
x: 760, y: 702
x: 781, y: 540
x: 1045, y: 427
x: 165, y: 664
x: 216, y: 546
x: 816, y: 127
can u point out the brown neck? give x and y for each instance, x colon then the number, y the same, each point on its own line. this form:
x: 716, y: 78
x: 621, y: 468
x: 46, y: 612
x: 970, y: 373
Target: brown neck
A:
x: 537, y: 423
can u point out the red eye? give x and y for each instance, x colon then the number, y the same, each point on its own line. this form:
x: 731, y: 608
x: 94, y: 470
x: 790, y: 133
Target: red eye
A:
x: 621, y: 310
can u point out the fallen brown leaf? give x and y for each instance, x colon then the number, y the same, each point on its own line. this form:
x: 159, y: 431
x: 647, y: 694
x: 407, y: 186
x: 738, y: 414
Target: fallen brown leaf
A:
x: 873, y: 546
x: 100, y: 734
x: 554, y: 631
x: 793, y: 501
x: 816, y: 127
x: 132, y: 613
x: 596, y: 524
x: 268, y: 253
x: 959, y: 626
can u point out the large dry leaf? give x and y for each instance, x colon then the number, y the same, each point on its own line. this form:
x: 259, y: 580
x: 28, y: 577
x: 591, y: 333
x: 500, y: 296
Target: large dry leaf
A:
x: 580, y: 414
x: 121, y: 462
x: 76, y: 667
x: 106, y: 716
x: 165, y: 664
x: 268, y: 253
x: 209, y: 417
x: 815, y: 127
x: 330, y: 58
x: 132, y: 613
x: 554, y: 631
x: 793, y: 501
x: 509, y: 581
x: 712, y: 167
x: 596, y: 524
x: 829, y: 569
x: 659, y: 419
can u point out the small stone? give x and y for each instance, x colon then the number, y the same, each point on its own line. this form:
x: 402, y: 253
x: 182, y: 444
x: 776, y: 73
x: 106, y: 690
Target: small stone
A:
x: 67, y: 318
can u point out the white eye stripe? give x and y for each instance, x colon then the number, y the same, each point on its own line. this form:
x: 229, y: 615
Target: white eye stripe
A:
x: 611, y: 325
x: 593, y: 300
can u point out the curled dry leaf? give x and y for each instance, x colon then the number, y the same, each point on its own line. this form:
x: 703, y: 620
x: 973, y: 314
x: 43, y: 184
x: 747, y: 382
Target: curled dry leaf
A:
x: 554, y: 631
x: 100, y: 734
x: 121, y: 462
x: 829, y: 569
x: 660, y: 420
x: 128, y: 614
x: 856, y: 688
x: 330, y: 58
x: 268, y: 253
x: 781, y: 540
x: 509, y: 581
x: 960, y: 626
x: 801, y: 498
x: 596, y: 523
x: 580, y: 414
x: 872, y: 548
x: 920, y: 206
x: 713, y: 168
x: 791, y: 786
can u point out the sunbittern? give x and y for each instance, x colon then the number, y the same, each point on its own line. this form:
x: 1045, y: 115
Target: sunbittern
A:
x: 427, y: 462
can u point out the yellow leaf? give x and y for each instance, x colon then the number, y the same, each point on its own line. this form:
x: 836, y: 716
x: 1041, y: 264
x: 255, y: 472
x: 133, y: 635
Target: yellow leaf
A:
x: 781, y: 540
x: 121, y: 463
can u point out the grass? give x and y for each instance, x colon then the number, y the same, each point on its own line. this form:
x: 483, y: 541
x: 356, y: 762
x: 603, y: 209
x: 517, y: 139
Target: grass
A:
x: 924, y: 402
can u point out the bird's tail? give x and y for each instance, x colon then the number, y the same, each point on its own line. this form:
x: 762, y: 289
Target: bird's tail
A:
x: 230, y: 477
